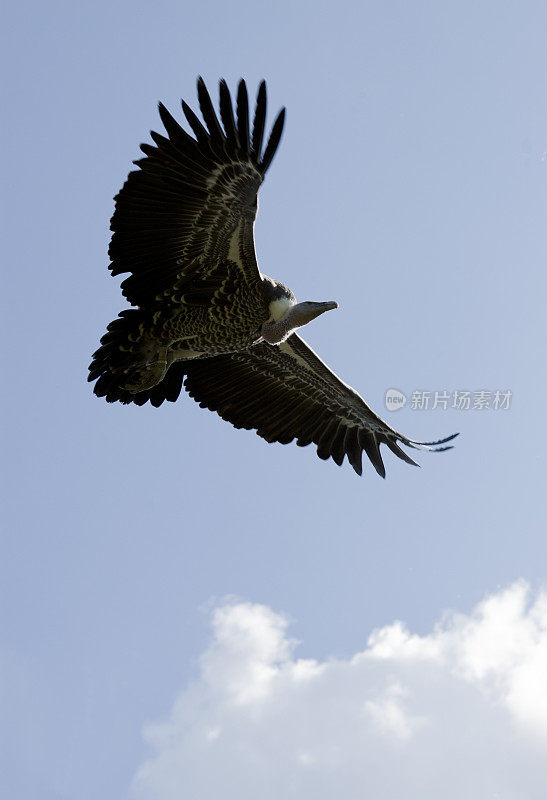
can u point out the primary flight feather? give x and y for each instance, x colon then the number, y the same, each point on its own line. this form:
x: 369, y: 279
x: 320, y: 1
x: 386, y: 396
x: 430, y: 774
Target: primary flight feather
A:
x: 204, y: 316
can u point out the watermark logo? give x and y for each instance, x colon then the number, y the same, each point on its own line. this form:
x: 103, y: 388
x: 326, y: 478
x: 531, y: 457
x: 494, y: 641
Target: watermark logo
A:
x: 460, y: 399
x: 395, y: 399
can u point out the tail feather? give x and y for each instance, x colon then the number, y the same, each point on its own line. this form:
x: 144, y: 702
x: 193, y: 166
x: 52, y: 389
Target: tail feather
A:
x: 121, y: 361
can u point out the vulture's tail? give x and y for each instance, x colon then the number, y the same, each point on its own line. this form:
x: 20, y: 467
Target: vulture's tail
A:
x: 129, y: 369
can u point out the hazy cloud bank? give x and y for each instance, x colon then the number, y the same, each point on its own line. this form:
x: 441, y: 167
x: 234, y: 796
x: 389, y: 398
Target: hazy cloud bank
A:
x: 461, y: 712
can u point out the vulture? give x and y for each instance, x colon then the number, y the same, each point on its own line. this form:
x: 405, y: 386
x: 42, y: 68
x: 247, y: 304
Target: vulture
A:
x: 203, y: 316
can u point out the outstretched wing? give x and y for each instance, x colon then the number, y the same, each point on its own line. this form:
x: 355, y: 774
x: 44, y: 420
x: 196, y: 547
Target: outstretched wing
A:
x: 192, y: 203
x: 286, y: 392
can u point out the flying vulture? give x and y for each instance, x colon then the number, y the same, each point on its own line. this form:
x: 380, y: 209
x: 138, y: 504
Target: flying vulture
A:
x: 203, y: 315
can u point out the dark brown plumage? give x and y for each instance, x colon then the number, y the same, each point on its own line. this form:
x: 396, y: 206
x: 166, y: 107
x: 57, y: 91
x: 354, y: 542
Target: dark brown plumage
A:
x: 203, y: 314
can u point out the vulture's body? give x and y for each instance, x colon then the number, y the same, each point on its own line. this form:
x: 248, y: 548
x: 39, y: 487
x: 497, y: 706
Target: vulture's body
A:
x: 203, y: 314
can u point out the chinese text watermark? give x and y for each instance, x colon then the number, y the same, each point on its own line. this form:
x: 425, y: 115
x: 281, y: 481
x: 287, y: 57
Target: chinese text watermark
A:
x: 462, y: 400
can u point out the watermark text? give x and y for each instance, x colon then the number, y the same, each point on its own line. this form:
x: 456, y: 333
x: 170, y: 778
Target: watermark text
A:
x: 460, y: 399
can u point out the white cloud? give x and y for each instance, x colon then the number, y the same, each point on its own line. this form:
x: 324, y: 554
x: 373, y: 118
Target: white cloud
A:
x: 460, y: 713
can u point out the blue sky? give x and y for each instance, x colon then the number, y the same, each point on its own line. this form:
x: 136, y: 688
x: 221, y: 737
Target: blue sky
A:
x: 410, y: 186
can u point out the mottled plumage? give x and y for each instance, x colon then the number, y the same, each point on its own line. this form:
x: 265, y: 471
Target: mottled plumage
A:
x: 203, y: 314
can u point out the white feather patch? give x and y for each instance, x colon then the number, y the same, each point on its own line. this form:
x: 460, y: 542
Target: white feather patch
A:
x: 278, y: 308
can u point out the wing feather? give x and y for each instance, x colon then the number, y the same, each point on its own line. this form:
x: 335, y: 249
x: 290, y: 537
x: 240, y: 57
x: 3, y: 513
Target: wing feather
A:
x: 199, y: 130
x: 227, y: 117
x: 354, y: 452
x: 189, y: 195
x: 286, y: 392
x: 337, y: 447
x: 209, y: 115
x: 175, y: 131
x: 259, y: 122
x: 243, y: 117
x: 273, y: 141
x: 370, y: 445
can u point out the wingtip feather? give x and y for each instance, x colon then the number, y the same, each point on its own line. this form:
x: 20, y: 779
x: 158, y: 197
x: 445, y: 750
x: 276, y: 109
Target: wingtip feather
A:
x: 273, y: 141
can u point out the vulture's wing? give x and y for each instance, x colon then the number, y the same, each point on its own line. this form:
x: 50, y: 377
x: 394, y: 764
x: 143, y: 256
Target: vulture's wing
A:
x: 193, y: 201
x: 286, y: 392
